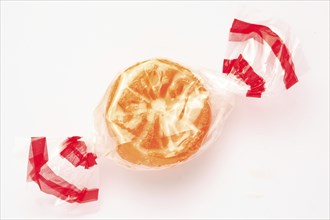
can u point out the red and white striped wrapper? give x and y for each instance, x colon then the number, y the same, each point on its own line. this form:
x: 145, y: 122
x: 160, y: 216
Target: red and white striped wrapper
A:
x: 258, y: 59
x: 70, y: 173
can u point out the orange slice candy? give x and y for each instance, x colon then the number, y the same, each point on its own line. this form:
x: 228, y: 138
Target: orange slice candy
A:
x: 158, y: 112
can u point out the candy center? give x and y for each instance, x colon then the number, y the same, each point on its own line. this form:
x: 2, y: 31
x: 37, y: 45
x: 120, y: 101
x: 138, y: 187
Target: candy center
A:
x: 159, y: 105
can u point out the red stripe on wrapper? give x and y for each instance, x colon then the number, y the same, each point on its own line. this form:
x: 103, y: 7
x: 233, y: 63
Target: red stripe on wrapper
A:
x: 38, y: 156
x: 48, y: 181
x: 75, y: 151
x: 277, y: 45
x: 242, y: 70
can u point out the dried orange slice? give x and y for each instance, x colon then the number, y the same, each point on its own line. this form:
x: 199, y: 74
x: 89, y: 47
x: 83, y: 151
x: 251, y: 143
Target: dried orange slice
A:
x: 158, y: 112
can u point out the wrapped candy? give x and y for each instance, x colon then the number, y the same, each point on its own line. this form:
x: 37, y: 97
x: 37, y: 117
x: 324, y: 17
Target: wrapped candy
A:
x: 158, y: 113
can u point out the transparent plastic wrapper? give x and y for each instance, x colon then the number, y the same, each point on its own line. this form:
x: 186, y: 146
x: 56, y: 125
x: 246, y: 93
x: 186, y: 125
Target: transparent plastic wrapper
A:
x: 69, y: 172
x: 158, y: 113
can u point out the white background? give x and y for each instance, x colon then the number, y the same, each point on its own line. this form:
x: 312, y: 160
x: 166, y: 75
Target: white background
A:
x: 57, y: 59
